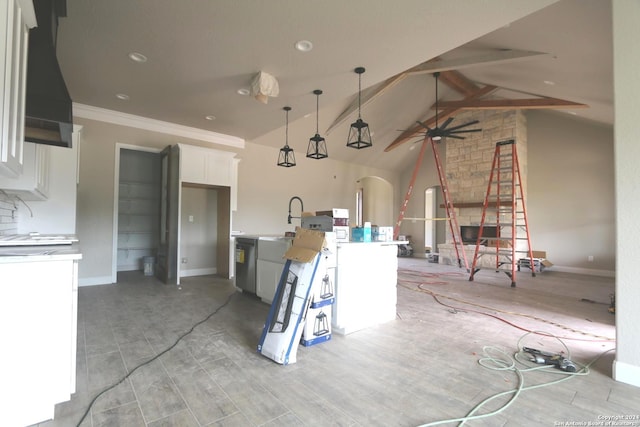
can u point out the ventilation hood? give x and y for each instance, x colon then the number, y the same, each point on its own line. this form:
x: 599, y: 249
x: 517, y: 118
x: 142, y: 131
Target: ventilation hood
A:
x: 48, y: 106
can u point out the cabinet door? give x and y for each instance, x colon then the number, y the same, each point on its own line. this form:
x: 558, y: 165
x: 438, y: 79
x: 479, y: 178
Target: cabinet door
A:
x: 13, y: 71
x: 267, y: 279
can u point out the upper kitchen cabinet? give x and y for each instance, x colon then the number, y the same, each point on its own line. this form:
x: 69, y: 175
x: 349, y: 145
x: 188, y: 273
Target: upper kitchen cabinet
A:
x: 207, y: 166
x: 17, y: 17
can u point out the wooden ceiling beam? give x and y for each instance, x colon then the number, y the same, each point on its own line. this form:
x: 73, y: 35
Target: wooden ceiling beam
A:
x: 367, y: 96
x: 442, y: 116
x: 491, y: 58
x: 510, y: 104
x: 458, y: 82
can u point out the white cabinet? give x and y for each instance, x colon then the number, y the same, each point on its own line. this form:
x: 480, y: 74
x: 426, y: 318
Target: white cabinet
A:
x: 16, y: 18
x: 33, y: 182
x: 366, y: 279
x: 209, y: 167
x: 38, y: 322
x: 271, y: 262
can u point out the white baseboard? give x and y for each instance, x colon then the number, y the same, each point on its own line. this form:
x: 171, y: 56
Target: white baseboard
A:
x: 94, y: 281
x: 198, y: 272
x: 587, y: 271
x: 626, y: 373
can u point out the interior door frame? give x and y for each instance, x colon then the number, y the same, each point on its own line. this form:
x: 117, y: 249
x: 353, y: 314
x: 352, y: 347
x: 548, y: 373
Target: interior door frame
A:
x: 116, y: 194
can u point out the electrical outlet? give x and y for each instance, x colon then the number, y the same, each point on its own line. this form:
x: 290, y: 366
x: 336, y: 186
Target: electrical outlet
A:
x: 184, y: 260
x: 590, y: 258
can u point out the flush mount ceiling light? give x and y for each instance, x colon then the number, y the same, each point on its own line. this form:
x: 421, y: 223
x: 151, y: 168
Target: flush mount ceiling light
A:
x: 359, y: 134
x: 137, y: 57
x: 286, y: 158
x: 317, y: 145
x: 303, y: 45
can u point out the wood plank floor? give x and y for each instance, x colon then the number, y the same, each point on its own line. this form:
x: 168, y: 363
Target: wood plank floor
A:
x: 421, y: 368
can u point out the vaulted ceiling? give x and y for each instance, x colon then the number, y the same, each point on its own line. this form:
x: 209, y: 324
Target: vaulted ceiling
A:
x: 490, y: 54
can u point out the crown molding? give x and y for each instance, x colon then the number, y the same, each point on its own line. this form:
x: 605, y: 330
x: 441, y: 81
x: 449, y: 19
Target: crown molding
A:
x: 138, y: 122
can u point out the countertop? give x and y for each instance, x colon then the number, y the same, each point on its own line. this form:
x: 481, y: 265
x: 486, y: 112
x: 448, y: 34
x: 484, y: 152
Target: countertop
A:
x: 9, y: 254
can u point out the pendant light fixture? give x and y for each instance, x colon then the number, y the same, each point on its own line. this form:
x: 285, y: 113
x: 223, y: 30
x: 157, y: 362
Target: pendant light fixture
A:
x: 286, y: 158
x: 359, y: 135
x: 317, y: 145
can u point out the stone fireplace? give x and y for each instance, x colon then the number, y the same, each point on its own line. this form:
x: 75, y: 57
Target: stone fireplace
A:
x: 468, y: 166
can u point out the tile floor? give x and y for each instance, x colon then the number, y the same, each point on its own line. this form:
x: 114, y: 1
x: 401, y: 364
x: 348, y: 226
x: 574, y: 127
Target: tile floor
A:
x: 421, y: 368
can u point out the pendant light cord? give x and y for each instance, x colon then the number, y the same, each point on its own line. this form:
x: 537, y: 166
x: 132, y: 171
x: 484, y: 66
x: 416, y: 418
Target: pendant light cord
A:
x: 359, y: 92
x: 286, y: 129
x: 317, y: 108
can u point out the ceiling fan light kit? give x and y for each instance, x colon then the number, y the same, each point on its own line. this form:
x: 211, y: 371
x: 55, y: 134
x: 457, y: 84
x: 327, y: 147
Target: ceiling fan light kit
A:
x: 359, y: 133
x: 317, y: 148
x: 286, y: 158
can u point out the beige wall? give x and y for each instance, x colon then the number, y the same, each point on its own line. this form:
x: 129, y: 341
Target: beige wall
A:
x: 264, y: 189
x: 571, y: 200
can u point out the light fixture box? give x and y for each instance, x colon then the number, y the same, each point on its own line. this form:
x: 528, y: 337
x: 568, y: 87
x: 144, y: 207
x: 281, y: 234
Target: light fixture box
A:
x: 311, y: 335
x: 361, y: 234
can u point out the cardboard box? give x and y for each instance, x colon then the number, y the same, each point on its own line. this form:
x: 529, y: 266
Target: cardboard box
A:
x: 285, y: 322
x: 542, y: 255
x: 306, y: 245
x: 317, y: 327
x: 381, y: 234
x: 324, y: 290
x: 360, y: 234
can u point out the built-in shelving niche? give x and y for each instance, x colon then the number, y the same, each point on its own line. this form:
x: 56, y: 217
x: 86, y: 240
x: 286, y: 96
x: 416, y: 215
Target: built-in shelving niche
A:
x: 138, y: 208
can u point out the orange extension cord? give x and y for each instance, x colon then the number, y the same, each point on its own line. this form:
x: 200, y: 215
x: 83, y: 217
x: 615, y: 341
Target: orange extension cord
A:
x: 440, y: 279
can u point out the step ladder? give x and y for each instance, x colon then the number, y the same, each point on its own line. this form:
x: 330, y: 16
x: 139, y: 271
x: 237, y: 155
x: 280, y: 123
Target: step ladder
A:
x: 461, y: 257
x: 503, y: 235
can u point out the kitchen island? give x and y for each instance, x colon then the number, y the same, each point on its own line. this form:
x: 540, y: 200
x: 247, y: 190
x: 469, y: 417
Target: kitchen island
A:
x: 38, y: 318
x: 366, y: 280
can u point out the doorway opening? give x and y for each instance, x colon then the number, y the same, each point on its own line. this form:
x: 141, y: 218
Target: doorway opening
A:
x: 138, y: 209
x: 435, y: 219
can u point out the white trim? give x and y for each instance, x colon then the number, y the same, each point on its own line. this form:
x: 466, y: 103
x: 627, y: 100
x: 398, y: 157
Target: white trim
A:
x: 587, y: 271
x: 138, y: 122
x: 95, y: 281
x: 28, y: 13
x: 198, y: 272
x: 626, y: 373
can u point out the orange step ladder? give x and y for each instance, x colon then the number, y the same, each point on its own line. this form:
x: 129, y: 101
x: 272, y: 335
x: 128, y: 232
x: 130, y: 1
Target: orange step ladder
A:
x: 504, y: 230
x: 461, y: 256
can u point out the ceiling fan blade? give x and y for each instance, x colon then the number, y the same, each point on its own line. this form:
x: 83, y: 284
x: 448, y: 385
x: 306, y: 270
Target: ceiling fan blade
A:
x: 464, y: 125
x: 464, y: 130
x: 423, y: 125
x: 446, y: 123
x: 452, y: 136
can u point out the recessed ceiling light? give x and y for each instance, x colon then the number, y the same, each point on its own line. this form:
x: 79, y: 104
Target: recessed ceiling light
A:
x: 549, y: 82
x: 122, y: 96
x: 211, y: 118
x: 573, y: 113
x: 243, y: 91
x: 137, y: 57
x: 304, y: 45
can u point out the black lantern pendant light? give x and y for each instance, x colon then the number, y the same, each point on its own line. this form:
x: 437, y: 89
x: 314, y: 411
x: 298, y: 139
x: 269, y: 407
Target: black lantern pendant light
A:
x: 286, y: 158
x: 359, y: 135
x: 317, y: 145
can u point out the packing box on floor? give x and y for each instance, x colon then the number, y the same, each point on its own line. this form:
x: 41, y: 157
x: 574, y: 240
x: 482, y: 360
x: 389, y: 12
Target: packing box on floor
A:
x: 283, y: 329
x: 317, y: 327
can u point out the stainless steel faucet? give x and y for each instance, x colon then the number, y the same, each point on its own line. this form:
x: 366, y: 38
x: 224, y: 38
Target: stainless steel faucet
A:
x: 301, y: 208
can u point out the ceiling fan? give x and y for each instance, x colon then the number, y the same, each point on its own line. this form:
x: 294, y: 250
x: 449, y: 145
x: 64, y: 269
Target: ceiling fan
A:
x: 439, y: 132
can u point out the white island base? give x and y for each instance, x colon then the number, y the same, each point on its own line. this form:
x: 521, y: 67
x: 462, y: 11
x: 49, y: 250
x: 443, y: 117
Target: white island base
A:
x: 365, y: 288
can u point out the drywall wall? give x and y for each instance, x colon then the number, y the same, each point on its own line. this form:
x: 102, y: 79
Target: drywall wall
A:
x: 264, y: 189
x: 626, y: 16
x: 571, y: 200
